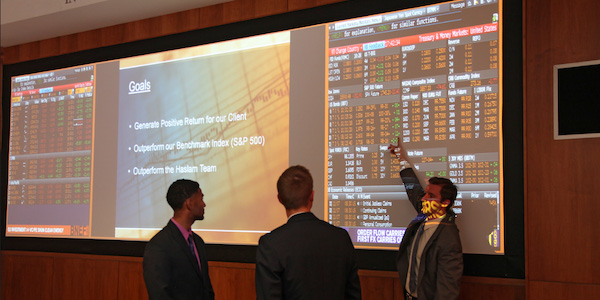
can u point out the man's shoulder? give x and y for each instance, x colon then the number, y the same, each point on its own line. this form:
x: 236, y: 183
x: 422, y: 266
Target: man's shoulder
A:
x: 449, y: 233
x: 165, y: 233
x: 332, y: 227
x: 306, y: 226
x: 161, y: 242
x: 449, y: 221
x: 278, y: 232
x: 307, y: 220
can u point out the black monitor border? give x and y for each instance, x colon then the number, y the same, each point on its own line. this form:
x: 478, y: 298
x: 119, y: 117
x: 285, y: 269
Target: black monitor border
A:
x: 509, y: 265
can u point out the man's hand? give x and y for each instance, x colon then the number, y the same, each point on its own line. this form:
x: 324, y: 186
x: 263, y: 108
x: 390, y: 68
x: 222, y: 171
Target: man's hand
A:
x: 398, y: 151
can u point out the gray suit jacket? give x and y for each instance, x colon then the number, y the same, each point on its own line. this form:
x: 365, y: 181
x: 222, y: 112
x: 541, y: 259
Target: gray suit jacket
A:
x: 307, y: 258
x: 441, y: 265
x: 170, y: 270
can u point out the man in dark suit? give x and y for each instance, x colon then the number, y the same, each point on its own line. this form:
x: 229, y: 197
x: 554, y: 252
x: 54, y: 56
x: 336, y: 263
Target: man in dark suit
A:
x: 175, y: 264
x: 306, y: 258
x: 430, y: 260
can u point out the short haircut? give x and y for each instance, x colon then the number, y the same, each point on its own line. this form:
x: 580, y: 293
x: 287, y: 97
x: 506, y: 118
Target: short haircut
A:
x: 448, y: 189
x: 181, y: 190
x: 294, y: 187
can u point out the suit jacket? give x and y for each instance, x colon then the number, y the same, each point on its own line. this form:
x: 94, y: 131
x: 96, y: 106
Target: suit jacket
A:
x: 307, y: 258
x: 170, y: 270
x: 441, y: 267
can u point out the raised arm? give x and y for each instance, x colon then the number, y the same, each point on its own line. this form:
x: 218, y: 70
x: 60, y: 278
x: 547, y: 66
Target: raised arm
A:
x: 410, y: 178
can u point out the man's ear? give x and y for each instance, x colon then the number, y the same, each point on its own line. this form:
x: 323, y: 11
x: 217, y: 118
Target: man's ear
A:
x: 445, y: 203
x: 187, y: 204
x: 311, y: 198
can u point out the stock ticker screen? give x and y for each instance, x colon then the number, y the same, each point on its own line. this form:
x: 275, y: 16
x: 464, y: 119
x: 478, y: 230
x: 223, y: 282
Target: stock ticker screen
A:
x: 50, y: 161
x: 430, y: 77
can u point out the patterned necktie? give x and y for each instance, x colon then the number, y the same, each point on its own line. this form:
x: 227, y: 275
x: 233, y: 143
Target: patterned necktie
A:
x: 413, y: 260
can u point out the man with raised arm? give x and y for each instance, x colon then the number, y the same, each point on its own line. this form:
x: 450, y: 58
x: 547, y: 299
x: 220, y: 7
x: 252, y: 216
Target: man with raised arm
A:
x: 430, y: 260
x: 306, y: 258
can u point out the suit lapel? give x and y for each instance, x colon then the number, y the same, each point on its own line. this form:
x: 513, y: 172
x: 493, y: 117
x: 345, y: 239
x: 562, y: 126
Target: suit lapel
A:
x: 445, y: 221
x: 432, y: 239
x: 183, y: 246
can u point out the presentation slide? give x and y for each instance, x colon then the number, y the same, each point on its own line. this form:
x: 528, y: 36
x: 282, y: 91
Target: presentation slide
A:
x: 93, y: 148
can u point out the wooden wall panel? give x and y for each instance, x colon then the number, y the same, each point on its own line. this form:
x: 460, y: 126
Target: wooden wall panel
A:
x: 303, y: 4
x: 562, y: 290
x: 26, y: 277
x: 84, y: 278
x: 476, y: 288
x: 131, y: 281
x: 61, y: 276
x: 214, y: 15
x: 377, y: 285
x: 561, y: 198
x: 232, y: 280
x: 236, y: 11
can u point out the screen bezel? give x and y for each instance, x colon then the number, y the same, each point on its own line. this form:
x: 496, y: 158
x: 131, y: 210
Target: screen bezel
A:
x: 509, y: 265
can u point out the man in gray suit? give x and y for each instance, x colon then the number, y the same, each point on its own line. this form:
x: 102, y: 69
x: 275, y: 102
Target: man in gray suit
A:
x: 175, y: 263
x: 306, y: 258
x: 430, y: 260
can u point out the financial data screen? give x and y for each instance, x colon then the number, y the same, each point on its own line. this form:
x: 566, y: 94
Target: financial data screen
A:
x: 437, y: 89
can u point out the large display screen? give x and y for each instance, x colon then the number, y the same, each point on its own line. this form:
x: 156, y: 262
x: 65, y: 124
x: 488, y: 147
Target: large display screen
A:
x: 94, y: 147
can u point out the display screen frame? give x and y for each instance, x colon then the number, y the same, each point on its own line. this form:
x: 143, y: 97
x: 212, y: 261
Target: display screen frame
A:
x: 509, y: 265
